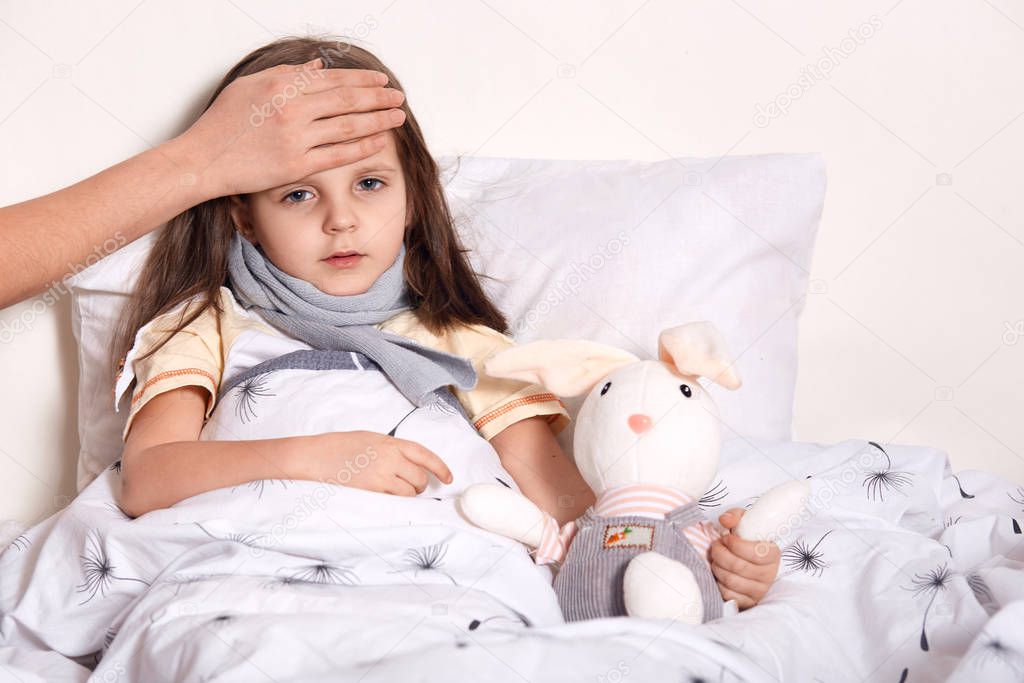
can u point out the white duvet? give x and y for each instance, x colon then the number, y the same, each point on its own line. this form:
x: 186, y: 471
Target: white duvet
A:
x: 903, y: 573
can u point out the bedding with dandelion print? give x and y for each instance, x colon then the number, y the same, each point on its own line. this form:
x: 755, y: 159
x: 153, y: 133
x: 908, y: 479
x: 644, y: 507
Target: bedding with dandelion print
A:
x: 899, y: 571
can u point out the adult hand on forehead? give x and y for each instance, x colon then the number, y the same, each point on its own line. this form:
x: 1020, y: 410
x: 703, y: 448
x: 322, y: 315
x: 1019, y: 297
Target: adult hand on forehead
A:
x: 269, y: 128
x: 263, y: 130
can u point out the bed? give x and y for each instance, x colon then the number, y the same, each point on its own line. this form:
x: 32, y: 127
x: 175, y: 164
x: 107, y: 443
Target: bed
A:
x: 900, y: 570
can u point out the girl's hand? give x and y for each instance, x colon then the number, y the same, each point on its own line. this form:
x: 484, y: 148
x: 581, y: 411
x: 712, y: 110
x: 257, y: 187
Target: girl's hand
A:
x: 372, y: 461
x: 743, y: 569
x: 284, y: 123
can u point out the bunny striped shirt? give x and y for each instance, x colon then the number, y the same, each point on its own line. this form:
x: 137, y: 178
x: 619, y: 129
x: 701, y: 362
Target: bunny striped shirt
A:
x: 644, y: 500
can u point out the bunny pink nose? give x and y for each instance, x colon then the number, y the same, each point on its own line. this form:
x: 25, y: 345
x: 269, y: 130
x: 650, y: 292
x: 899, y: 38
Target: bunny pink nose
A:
x: 639, y: 423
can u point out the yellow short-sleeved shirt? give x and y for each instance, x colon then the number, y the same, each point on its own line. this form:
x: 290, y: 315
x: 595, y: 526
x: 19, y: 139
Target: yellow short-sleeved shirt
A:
x: 196, y: 355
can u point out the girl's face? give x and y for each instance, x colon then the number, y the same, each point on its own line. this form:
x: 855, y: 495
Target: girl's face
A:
x: 359, y: 207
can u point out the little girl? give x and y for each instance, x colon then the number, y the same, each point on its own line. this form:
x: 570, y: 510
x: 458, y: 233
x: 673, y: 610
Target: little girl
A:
x: 273, y: 336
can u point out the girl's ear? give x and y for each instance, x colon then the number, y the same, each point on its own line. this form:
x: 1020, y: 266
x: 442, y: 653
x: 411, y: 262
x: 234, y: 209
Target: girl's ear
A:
x: 242, y: 218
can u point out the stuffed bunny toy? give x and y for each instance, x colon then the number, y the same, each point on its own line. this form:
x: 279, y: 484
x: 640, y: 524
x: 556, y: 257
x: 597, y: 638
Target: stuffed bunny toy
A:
x: 647, y: 441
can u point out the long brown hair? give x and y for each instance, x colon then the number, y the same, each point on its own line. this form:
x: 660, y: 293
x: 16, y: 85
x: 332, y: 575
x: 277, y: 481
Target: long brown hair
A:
x: 189, y: 257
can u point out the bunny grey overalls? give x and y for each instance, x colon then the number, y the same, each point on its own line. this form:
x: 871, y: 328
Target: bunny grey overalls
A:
x: 589, y: 583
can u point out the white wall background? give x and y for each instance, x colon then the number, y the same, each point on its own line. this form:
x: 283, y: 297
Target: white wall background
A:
x: 914, y: 326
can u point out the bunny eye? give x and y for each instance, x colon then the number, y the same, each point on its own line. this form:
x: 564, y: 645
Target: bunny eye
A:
x: 687, y: 391
x: 604, y: 389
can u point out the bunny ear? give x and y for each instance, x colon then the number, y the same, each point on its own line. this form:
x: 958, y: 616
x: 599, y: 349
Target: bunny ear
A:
x: 566, y: 367
x: 699, y: 349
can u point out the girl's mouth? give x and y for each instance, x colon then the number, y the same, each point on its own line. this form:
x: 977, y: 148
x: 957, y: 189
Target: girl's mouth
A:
x: 342, y: 262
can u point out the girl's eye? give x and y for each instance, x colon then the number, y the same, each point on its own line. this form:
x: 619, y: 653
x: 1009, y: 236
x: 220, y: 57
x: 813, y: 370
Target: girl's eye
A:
x: 605, y: 388
x: 291, y: 196
x: 370, y: 180
x: 687, y: 391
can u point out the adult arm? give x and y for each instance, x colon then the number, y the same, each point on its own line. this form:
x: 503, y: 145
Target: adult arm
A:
x: 338, y: 116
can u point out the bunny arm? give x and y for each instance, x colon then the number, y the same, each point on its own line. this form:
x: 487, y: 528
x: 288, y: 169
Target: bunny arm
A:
x: 657, y: 587
x: 503, y: 511
x: 776, y: 509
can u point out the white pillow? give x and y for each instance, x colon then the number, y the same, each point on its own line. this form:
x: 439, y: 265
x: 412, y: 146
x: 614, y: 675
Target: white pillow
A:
x: 613, y: 251
x: 616, y: 251
x: 98, y: 294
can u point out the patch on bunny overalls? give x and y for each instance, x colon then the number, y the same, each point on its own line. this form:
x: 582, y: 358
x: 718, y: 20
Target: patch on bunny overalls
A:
x: 628, y: 536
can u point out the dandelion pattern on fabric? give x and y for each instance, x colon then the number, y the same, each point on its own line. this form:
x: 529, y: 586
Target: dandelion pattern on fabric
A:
x: 428, y: 558
x: 963, y: 494
x: 180, y: 580
x: 979, y: 588
x: 444, y: 404
x: 247, y: 392
x: 220, y: 621
x: 108, y: 638
x: 994, y: 651
x: 324, y: 573
x: 930, y: 583
x: 714, y: 497
x: 97, y: 570
x: 802, y: 558
x: 439, y: 405
x: 258, y: 485
x: 394, y: 429
x: 1019, y: 500
x: 521, y: 618
x: 250, y: 540
x: 886, y: 479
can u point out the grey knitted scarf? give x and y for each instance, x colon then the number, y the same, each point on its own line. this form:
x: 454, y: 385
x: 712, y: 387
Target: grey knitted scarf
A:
x: 346, y: 323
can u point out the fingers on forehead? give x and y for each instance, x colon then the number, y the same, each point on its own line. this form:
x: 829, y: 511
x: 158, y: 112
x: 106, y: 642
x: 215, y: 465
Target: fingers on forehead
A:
x: 356, y: 77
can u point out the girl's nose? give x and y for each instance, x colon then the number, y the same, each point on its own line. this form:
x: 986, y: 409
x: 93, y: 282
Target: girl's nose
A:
x: 639, y: 423
x: 339, y: 226
x: 340, y: 217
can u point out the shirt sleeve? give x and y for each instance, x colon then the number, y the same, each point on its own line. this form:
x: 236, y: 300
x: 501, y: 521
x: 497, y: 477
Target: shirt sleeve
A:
x: 495, y: 403
x: 191, y: 357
